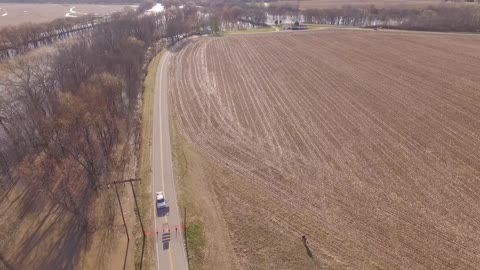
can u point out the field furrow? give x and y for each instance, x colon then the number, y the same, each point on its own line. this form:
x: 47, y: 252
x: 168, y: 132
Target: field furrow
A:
x: 368, y: 142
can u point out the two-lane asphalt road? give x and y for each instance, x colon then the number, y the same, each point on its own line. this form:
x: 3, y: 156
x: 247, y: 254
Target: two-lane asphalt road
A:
x: 169, y: 244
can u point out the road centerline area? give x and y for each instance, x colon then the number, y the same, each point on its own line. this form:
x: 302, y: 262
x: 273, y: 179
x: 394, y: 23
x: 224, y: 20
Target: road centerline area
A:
x: 170, y: 252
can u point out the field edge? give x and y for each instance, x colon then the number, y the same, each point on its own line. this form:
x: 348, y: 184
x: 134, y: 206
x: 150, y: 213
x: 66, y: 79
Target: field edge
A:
x: 144, y: 169
x: 208, y: 245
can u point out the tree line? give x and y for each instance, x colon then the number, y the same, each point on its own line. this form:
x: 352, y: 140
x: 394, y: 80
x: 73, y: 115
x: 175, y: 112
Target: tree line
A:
x: 443, y: 18
x: 227, y: 14
x: 64, y: 113
x: 177, y: 21
x: 433, y: 18
x: 72, y: 1
x: 20, y: 38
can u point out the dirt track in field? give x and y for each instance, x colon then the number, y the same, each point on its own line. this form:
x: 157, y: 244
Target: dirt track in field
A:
x: 366, y: 142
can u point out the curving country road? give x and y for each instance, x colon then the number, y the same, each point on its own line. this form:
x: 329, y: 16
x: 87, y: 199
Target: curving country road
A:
x: 169, y: 244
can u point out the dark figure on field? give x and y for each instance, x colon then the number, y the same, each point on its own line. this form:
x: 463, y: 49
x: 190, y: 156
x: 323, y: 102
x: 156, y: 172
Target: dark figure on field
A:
x: 309, y: 252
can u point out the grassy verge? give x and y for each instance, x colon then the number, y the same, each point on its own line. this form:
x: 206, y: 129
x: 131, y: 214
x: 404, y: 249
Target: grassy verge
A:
x: 144, y: 170
x: 251, y: 30
x: 316, y: 26
x: 196, y: 244
x: 184, y: 160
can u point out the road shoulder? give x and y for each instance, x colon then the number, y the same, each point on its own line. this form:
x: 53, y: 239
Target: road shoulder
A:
x: 209, y: 246
x: 144, y: 170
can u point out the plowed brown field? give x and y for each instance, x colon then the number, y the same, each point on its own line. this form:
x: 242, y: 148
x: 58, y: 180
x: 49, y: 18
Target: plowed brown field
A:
x: 368, y: 142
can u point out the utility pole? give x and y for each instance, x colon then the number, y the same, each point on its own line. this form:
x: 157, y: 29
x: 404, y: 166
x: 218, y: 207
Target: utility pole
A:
x: 185, y: 236
x: 123, y: 217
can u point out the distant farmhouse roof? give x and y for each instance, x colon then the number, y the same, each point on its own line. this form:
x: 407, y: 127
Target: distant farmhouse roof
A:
x: 295, y: 27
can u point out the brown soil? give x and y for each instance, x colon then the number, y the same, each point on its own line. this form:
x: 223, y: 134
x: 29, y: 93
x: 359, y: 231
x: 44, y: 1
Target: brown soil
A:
x: 37, y: 231
x: 193, y: 174
x: 365, y: 141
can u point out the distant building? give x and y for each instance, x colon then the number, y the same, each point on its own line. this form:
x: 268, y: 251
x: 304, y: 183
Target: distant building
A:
x: 295, y: 27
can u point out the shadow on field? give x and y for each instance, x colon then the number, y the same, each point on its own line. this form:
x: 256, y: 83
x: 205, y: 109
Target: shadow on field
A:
x: 20, y: 201
x: 309, y: 252
x: 104, y: 234
x: 5, y: 263
x: 51, y: 237
x: 52, y: 246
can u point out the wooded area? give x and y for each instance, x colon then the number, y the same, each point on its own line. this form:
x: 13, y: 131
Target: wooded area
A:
x: 69, y: 108
x: 74, y: 1
x: 19, y: 39
x: 67, y: 115
x: 175, y: 22
x: 434, y: 18
x: 63, y: 113
x: 455, y: 18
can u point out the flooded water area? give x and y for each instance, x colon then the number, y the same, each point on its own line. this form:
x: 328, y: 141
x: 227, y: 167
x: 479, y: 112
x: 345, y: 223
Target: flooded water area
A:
x: 14, y: 14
